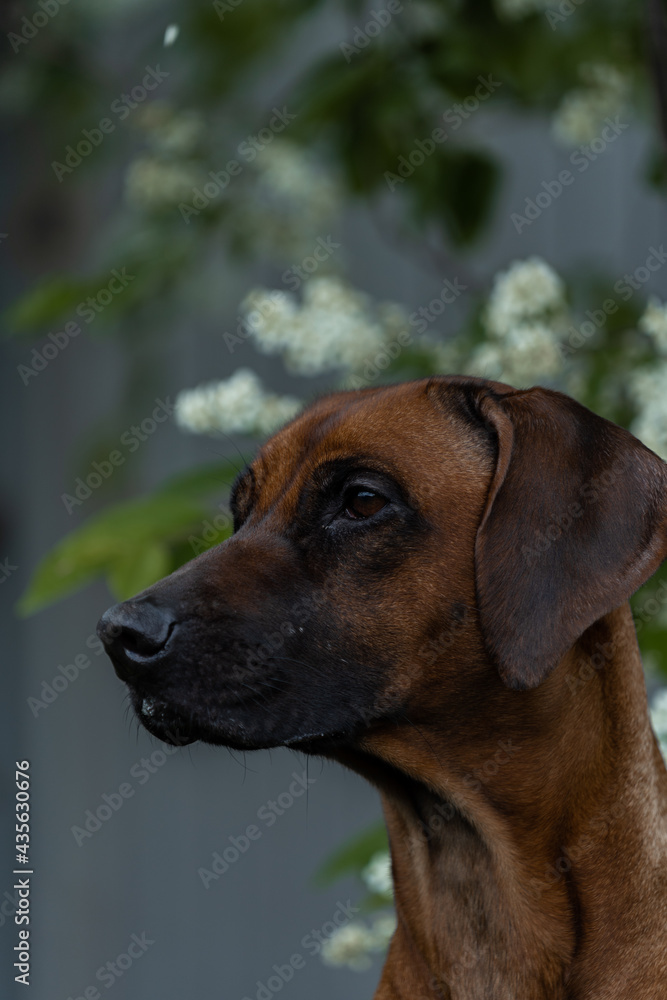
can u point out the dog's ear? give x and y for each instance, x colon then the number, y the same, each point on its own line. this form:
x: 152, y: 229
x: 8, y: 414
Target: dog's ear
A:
x: 574, y: 522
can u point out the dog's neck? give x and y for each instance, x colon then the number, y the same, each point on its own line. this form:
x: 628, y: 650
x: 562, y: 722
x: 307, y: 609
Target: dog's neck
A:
x: 494, y: 879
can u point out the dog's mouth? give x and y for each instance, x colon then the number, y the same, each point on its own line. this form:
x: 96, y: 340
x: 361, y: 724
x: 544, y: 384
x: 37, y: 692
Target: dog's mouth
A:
x: 164, y: 723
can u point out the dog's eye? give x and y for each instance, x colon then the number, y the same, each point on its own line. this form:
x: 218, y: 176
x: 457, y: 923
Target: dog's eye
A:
x: 361, y: 502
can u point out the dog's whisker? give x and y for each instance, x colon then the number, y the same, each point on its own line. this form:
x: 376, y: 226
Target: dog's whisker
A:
x: 313, y: 667
x: 236, y: 449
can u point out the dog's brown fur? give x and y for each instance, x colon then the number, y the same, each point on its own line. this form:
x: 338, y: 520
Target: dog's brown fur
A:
x: 502, y: 710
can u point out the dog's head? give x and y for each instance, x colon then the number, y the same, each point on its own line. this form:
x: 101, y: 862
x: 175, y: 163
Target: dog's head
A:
x: 394, y: 547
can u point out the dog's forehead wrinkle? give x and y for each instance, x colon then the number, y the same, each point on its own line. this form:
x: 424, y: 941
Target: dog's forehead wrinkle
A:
x: 398, y: 441
x: 290, y: 454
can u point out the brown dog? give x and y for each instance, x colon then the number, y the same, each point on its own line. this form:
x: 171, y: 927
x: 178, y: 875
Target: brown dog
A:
x: 428, y: 582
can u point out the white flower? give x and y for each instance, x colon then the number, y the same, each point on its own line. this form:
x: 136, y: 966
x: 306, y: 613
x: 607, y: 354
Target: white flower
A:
x: 237, y: 405
x: 151, y: 182
x: 269, y: 316
x: 335, y: 327
x: 170, y: 132
x: 654, y: 323
x: 486, y: 361
x: 287, y: 171
x: 659, y: 718
x: 276, y: 411
x: 526, y: 319
x: 349, y: 945
x: 582, y: 111
x: 377, y: 874
x: 354, y: 944
x: 530, y: 351
x: 527, y: 290
x: 648, y: 388
x: 285, y: 201
x: 447, y: 356
x: 383, y: 931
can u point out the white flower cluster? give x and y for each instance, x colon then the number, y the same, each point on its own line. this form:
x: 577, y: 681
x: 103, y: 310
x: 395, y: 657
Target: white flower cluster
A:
x: 582, y: 111
x: 237, y: 405
x: 654, y: 323
x: 525, y: 320
x: 377, y: 875
x: 648, y: 386
x: 335, y: 326
x: 285, y: 201
x: 659, y: 719
x: 167, y: 173
x: 287, y: 171
x: 354, y: 944
x: 151, y: 182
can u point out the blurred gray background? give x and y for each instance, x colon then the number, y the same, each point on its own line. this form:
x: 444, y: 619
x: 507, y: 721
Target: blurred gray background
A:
x: 137, y: 875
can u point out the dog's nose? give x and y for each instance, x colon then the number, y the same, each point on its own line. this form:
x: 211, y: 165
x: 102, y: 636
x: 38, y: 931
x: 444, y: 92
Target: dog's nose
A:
x: 135, y: 633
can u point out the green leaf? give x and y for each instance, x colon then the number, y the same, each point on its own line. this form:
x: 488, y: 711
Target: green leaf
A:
x: 459, y: 187
x: 95, y: 548
x: 471, y: 186
x: 656, y: 169
x: 137, y: 569
x: 46, y: 303
x: 214, y: 478
x: 649, y: 609
x: 136, y: 542
x: 354, y: 855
